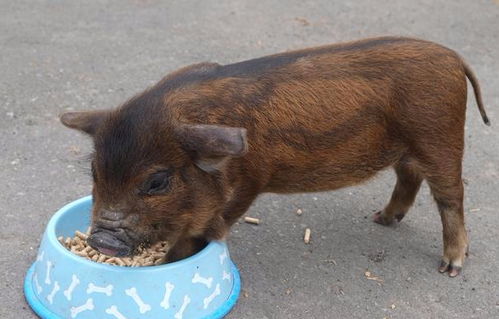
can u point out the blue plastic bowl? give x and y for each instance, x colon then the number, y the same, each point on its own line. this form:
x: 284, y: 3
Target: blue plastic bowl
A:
x: 61, y: 284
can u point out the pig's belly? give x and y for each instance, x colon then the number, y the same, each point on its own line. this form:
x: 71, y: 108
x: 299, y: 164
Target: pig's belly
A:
x: 321, y: 178
x: 332, y: 169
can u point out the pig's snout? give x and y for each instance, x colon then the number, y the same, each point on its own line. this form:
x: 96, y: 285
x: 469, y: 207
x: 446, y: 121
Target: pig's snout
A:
x: 106, y: 243
x: 111, y: 233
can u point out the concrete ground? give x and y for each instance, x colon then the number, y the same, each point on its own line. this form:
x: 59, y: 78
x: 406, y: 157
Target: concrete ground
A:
x: 75, y: 55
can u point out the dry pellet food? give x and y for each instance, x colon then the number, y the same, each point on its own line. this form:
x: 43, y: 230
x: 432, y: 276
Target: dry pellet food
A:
x: 154, y: 255
x: 306, y: 237
x: 252, y: 220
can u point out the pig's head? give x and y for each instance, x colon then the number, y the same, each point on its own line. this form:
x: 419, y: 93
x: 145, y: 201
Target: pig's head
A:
x: 154, y: 177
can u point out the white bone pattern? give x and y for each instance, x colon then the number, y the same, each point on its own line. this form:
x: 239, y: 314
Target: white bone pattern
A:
x: 180, y: 312
x: 56, y: 288
x: 165, y: 303
x: 47, y: 277
x: 108, y: 290
x: 37, y: 284
x: 132, y: 292
x: 143, y: 307
x: 222, y: 257
x: 205, y: 281
x: 210, y: 298
x: 113, y: 311
x: 74, y: 282
x: 89, y: 305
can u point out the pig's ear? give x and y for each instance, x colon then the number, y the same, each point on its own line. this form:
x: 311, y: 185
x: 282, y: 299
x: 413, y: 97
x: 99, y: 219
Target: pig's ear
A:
x: 212, y: 145
x: 87, y: 122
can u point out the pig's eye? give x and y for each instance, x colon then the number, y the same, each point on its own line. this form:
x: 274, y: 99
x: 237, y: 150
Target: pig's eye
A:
x: 158, y: 183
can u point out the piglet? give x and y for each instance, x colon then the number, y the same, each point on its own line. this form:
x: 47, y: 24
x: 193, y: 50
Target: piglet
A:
x: 183, y: 160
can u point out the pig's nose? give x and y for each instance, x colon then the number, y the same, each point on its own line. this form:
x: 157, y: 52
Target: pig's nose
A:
x: 108, y: 244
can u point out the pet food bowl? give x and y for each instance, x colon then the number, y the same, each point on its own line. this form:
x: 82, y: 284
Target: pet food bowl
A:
x: 63, y: 285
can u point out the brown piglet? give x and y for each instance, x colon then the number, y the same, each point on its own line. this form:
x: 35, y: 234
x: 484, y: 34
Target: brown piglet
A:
x: 183, y: 160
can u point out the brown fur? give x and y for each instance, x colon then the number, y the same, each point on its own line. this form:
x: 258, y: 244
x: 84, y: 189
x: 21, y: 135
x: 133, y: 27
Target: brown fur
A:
x: 304, y: 121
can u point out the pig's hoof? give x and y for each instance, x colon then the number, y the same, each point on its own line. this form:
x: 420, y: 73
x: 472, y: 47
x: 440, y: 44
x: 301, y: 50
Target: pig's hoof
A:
x: 399, y: 217
x: 453, y: 270
x: 381, y: 219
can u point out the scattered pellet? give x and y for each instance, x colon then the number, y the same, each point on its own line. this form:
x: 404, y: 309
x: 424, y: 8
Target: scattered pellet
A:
x: 370, y: 276
x: 299, y: 212
x: 306, y: 238
x: 251, y: 220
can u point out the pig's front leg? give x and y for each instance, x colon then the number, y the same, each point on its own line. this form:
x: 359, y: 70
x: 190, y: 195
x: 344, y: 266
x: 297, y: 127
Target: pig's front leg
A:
x: 236, y: 208
x: 215, y: 230
x: 184, y: 248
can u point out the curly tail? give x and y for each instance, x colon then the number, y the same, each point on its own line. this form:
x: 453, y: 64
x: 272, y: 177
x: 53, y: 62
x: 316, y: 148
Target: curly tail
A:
x: 476, y: 88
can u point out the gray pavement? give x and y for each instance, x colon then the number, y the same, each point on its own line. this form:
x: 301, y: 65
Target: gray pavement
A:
x: 74, y: 55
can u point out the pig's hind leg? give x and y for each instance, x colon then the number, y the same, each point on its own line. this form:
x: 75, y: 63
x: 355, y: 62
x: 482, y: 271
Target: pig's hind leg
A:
x: 441, y: 166
x: 408, y: 182
x: 448, y: 192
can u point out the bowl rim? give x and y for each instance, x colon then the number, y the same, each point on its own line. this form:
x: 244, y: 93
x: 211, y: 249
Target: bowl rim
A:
x: 54, y: 242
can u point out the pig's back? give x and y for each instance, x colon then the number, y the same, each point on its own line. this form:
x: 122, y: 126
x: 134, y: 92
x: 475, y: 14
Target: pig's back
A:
x: 375, y: 53
x: 330, y: 113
